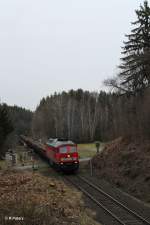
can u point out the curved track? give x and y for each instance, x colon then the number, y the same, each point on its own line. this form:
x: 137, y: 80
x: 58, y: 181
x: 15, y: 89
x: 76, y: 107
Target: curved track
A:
x: 119, y: 213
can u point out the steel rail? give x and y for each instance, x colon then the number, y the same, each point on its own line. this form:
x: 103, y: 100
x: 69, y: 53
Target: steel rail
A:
x: 114, y: 200
x: 94, y: 200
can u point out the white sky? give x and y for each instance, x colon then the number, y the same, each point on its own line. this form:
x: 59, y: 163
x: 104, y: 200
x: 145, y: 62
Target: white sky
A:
x: 55, y: 45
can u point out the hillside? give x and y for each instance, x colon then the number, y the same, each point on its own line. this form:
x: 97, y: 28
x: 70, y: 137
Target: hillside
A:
x: 126, y: 164
x: 39, y: 200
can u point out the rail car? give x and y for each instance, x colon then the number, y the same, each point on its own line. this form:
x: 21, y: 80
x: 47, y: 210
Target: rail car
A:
x: 60, y: 153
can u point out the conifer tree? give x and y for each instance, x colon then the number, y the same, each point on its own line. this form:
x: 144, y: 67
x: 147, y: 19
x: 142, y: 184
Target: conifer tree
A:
x: 135, y: 66
x: 5, y: 126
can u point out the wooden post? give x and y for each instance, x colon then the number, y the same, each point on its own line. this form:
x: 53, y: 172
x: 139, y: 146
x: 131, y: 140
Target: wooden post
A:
x: 91, y: 168
x: 97, y: 146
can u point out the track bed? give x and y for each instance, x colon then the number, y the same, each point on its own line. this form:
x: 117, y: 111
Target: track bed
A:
x: 118, y: 212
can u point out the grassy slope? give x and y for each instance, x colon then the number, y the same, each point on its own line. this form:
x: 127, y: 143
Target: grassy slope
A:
x: 88, y: 150
x: 126, y: 164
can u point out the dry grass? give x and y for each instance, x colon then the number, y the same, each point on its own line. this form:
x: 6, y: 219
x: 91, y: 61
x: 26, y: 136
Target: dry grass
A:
x: 126, y: 164
x: 3, y: 164
x: 40, y: 200
x: 88, y: 150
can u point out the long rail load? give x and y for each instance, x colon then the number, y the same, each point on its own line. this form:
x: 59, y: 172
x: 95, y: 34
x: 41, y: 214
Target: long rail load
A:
x: 60, y: 153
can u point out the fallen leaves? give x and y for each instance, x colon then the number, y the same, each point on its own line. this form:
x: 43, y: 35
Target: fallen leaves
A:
x: 126, y: 163
x: 36, y: 198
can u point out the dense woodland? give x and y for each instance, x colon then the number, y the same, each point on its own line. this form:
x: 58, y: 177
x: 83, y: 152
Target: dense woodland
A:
x: 13, y: 122
x: 21, y: 119
x: 84, y: 116
x: 6, y: 127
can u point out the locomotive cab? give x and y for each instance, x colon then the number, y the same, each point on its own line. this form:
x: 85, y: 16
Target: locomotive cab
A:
x: 63, y: 154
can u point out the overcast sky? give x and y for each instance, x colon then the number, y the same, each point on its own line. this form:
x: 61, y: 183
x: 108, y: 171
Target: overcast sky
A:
x: 55, y: 45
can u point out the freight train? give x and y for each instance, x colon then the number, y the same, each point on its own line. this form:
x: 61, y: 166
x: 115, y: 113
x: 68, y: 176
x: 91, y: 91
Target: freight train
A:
x: 61, y: 153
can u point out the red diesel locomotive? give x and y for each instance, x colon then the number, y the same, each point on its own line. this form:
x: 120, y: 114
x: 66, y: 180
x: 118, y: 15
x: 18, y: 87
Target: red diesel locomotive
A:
x: 62, y: 154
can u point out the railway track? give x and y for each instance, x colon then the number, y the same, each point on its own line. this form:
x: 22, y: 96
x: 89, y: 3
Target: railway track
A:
x: 117, y: 212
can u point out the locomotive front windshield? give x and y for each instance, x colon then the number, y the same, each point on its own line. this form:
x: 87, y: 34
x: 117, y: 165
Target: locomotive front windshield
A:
x: 68, y: 149
x: 63, y: 149
x: 72, y: 149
